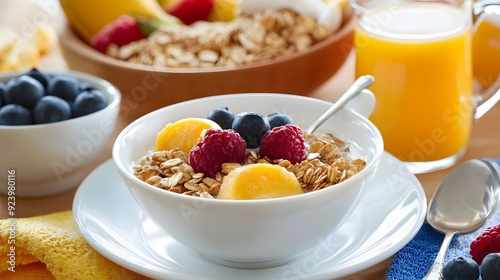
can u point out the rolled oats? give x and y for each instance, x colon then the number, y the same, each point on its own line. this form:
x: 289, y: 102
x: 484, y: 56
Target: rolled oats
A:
x: 248, y: 38
x: 170, y: 170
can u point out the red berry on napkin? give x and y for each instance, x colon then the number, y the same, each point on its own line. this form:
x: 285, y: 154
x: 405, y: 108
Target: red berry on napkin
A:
x: 486, y: 243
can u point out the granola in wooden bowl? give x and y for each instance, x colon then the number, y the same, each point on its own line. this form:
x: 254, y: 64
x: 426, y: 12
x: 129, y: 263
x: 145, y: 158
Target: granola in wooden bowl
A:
x: 261, y: 60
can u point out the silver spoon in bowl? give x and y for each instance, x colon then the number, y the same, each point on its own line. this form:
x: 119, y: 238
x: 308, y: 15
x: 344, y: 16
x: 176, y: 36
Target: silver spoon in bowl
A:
x: 361, y: 83
x: 462, y: 203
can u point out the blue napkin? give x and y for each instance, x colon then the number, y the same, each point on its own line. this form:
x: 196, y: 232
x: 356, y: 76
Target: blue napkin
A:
x: 414, y: 260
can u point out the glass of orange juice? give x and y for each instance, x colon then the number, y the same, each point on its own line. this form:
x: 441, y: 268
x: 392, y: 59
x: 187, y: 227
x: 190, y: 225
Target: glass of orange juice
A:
x: 420, y: 53
x: 486, y: 43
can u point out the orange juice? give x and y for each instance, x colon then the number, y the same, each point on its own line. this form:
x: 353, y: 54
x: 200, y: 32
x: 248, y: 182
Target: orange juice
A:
x: 486, y: 51
x: 420, y: 56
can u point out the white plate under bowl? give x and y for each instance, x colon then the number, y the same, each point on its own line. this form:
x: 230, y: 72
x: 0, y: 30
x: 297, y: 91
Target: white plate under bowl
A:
x: 388, y: 217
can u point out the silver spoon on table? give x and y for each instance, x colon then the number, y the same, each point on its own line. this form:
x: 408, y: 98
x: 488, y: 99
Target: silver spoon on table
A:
x: 462, y: 203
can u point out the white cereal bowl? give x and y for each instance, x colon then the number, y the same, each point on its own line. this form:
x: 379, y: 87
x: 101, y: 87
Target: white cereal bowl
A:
x: 250, y: 233
x: 48, y: 159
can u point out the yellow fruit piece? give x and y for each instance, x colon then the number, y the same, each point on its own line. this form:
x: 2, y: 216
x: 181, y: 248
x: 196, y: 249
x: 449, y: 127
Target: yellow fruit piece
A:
x: 16, y: 53
x: 259, y: 181
x: 223, y: 10
x: 89, y: 16
x: 45, y: 38
x: 183, y: 134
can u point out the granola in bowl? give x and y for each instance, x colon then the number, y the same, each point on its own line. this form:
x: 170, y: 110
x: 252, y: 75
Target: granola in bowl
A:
x: 205, y: 156
x: 254, y: 233
x: 328, y: 163
x: 247, y: 39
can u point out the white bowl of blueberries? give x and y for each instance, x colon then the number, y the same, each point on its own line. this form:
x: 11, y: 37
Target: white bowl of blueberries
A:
x: 52, y: 127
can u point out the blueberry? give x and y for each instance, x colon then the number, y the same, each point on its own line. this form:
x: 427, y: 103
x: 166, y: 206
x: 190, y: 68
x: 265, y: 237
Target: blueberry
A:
x: 490, y: 267
x: 86, y: 87
x: 460, y: 268
x: 88, y: 102
x: 24, y: 90
x: 222, y: 116
x: 251, y: 126
x: 51, y: 109
x: 279, y: 119
x: 3, y: 92
x: 64, y: 86
x: 15, y: 114
x: 40, y: 76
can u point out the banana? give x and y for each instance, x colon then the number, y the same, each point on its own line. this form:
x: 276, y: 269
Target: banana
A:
x: 167, y: 3
x: 224, y: 10
x: 90, y: 16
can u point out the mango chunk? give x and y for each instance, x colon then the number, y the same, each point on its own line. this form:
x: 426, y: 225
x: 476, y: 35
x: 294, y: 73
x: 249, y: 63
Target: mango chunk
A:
x: 183, y: 134
x: 259, y: 181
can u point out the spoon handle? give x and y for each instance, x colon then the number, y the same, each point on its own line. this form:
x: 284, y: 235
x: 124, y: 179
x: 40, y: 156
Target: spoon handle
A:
x: 358, y: 85
x: 435, y: 272
x: 495, y: 160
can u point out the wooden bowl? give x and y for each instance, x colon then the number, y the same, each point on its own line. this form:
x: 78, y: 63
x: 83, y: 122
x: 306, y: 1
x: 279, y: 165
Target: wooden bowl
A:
x: 299, y: 73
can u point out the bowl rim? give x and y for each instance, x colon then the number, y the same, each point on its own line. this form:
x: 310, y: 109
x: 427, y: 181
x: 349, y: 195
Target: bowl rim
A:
x: 370, y: 167
x: 71, y: 40
x: 111, y: 90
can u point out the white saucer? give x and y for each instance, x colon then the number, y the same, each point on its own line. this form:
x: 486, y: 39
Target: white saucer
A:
x: 390, y: 214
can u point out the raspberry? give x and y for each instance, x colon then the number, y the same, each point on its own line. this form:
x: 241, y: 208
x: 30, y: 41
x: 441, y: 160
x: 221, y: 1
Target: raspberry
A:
x: 217, y: 147
x: 284, y: 142
x: 486, y: 243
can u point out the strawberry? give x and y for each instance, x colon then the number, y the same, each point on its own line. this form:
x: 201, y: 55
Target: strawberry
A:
x: 189, y: 11
x: 125, y: 29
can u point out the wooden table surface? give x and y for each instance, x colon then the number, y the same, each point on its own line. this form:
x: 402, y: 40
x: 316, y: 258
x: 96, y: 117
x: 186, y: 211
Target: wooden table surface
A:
x: 484, y: 142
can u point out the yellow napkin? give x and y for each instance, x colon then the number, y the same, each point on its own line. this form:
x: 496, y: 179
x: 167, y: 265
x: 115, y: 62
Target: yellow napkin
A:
x: 50, y: 247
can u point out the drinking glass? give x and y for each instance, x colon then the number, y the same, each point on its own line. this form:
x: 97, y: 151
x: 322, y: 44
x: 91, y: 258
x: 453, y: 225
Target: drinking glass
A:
x: 420, y: 53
